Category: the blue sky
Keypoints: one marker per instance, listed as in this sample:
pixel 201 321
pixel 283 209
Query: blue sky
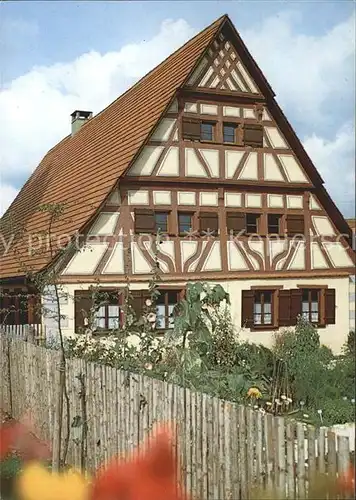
pixel 63 55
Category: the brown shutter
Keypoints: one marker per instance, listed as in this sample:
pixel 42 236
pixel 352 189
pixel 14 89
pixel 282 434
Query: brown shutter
pixel 191 129
pixel 253 135
pixel 235 222
pixel 330 306
pixel 247 302
pixel 144 220
pixel 208 222
pixel 139 298
pixel 82 305
pixel 295 224
pixel 295 305
pixel 284 308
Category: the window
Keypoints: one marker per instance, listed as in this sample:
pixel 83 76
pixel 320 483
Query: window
pixel 107 313
pixel 235 222
pixel 274 224
pixel 310 305
pixel 206 131
pixel 107 317
pixel 229 133
pixel 161 222
pixel 148 221
pixel 184 223
pixel 209 223
pixel 253 135
pixel 144 220
pixel 295 225
pixel 262 308
pixel 191 129
pixel 166 302
pixel 257 308
pixel 252 222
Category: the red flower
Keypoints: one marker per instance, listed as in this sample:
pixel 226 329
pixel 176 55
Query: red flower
pixel 147 477
pixel 16 436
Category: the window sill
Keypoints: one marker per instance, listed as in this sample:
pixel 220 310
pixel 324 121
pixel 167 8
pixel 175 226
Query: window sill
pixel 259 328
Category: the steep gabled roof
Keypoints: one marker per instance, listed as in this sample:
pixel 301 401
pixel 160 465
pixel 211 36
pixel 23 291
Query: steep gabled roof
pixel 81 170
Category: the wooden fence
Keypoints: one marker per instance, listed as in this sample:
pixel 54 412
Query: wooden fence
pixel 31 332
pixel 224 448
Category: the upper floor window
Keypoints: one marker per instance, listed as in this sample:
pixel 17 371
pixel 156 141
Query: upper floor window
pixel 206 131
pixel 229 133
pixel 149 221
pixel 274 224
pixel 252 223
pixel 184 223
pixel 161 222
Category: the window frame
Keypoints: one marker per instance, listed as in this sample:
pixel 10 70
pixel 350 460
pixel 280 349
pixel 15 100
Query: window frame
pixel 212 124
pixel 234 127
pixel 164 293
pixel 279 227
pixel 161 212
pixel 310 301
pixel 262 293
pixel 258 222
pixel 187 214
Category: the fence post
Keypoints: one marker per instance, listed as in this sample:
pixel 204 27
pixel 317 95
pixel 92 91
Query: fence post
pixel 8 343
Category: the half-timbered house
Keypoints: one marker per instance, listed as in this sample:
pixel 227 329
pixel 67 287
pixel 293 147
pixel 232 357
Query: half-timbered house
pixel 200 151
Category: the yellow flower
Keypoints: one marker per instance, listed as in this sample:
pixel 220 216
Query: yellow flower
pixel 37 483
pixel 253 392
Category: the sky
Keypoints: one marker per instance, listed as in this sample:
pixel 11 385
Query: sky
pixel 58 56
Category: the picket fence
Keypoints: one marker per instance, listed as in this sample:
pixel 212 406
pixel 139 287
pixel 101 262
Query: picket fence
pixel 223 448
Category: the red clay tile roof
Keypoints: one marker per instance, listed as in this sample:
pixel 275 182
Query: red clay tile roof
pixel 81 170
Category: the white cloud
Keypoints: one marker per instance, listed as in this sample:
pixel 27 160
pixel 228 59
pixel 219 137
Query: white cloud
pixel 305 71
pixel 8 194
pixel 335 161
pixel 36 107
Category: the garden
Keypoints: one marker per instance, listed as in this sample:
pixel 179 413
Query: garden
pixel 298 377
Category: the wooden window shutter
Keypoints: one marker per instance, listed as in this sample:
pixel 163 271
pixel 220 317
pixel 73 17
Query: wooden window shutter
pixel 295 224
pixel 235 222
pixel 82 306
pixel 295 305
pixel 138 301
pixel 208 222
pixel 248 297
pixel 284 308
pixel 330 306
pixel 144 220
pixel 253 135
pixel 191 129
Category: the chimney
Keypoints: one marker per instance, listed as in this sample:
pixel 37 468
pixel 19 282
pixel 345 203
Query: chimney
pixel 79 118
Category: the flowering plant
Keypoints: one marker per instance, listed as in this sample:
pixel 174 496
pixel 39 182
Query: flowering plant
pixel 149 474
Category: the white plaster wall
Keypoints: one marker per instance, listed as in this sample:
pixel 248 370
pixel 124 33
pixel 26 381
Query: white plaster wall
pixel 164 129
pixel 332 336
pixel 104 224
pixel 146 162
